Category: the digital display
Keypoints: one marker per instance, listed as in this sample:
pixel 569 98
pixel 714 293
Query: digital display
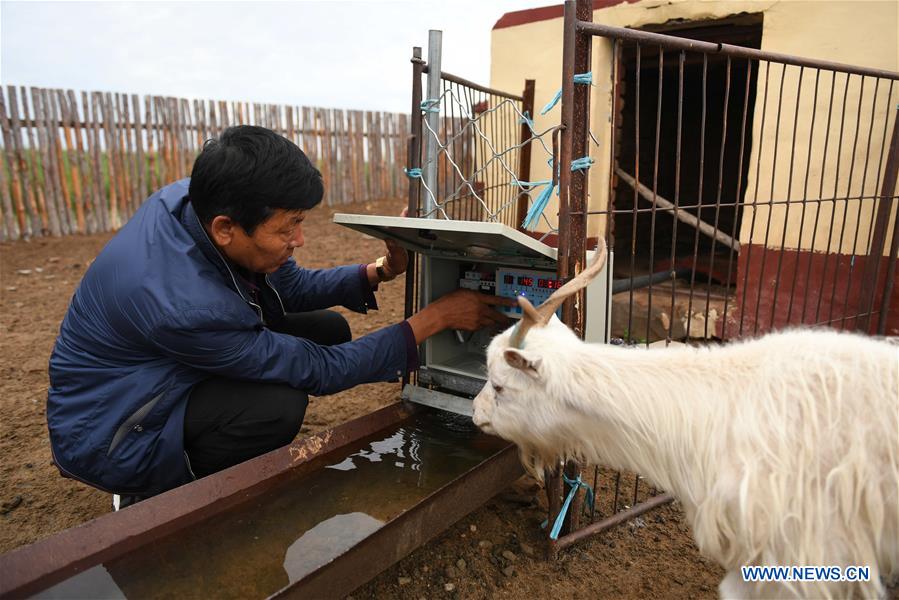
pixel 549 284
pixel 509 279
pixel 526 281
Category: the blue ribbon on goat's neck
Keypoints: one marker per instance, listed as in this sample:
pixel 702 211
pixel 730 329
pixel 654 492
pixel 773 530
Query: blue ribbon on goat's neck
pixel 588 504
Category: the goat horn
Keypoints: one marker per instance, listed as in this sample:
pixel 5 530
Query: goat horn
pixel 529 318
pixel 582 280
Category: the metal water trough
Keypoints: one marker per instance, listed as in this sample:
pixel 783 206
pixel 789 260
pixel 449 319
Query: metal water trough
pixel 31 569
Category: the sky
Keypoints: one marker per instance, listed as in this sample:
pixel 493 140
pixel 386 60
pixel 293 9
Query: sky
pixel 337 54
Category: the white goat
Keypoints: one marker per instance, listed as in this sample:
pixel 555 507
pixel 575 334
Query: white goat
pixel 783 450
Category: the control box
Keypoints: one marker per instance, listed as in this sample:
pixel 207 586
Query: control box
pixel 490 258
pixel 536 286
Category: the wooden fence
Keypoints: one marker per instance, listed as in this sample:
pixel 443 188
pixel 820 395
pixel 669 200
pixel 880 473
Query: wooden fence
pixel 83 163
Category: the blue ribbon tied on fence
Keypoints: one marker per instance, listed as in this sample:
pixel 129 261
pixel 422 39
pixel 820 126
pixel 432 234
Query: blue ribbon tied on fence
pixel 574 484
pixel 581 78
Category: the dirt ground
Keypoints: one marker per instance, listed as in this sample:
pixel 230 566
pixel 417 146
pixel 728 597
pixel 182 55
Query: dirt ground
pixel 494 552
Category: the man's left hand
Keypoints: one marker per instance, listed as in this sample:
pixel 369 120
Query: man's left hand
pixel 397 257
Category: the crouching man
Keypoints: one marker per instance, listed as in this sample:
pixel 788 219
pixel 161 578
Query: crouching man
pixel 194 339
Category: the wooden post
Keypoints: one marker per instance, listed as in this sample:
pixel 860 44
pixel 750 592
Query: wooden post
pixel 151 118
pixel 54 119
pixel 140 160
pixel 49 180
pixel 34 153
pixel 72 156
pixel 14 216
pixel 9 229
pixel 524 156
pixel 129 168
pixel 96 157
pixel 31 191
pixel 11 164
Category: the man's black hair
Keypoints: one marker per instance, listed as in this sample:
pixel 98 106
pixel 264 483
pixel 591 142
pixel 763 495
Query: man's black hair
pixel 250 171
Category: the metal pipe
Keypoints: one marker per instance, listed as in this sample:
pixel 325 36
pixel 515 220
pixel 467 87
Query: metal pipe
pixel 875 254
pixel 889 184
pixel 475 86
pixel 576 58
pixel 616 519
pixel 642 281
pixel 682 216
pixel 414 197
pixel 677 43
pixel 432 117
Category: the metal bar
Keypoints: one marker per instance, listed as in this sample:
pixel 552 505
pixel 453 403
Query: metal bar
pixel 833 82
pixel 573 186
pixel 608 523
pixel 553 485
pixel 470 84
pixel 755 198
pixel 676 43
pixel 414 162
pixel 805 199
pixel 891 271
pixel 577 126
pixel 842 315
pixel 830 233
pixel 630 300
pixel 860 312
pixel 889 185
pixel 655 188
pixel 739 194
pixel 677 165
pixel 615 141
pixel 878 241
pixel 29 569
pixel 786 217
pixel 412 528
pixel 758 301
pixel 874 205
pixel 708 289
pixel 429 170
pixel 705 96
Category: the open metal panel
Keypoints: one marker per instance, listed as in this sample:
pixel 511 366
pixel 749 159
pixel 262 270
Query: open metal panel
pixel 470 240
pixel 491 258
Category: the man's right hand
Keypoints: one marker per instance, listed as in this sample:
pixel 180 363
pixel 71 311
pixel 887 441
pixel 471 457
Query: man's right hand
pixel 466 310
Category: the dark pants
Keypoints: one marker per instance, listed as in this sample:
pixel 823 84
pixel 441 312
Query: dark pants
pixel 229 421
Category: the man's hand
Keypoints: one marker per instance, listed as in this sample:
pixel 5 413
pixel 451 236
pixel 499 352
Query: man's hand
pixel 397 257
pixel 463 309
pixel 394 263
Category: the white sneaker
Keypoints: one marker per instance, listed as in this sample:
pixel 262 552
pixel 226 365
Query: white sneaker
pixel 119 502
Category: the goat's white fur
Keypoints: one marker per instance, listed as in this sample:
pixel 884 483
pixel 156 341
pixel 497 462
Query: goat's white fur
pixel 782 450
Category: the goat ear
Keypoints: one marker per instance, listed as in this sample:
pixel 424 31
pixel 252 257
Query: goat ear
pixel 523 361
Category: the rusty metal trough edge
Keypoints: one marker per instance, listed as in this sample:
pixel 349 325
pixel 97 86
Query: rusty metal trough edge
pixel 37 566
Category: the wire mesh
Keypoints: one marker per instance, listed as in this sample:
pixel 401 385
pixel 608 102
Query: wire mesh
pixel 478 156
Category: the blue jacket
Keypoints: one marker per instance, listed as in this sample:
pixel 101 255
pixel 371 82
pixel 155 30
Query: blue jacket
pixel 158 311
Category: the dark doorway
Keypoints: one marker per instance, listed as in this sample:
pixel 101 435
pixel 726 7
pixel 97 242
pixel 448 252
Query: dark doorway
pixel 712 180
